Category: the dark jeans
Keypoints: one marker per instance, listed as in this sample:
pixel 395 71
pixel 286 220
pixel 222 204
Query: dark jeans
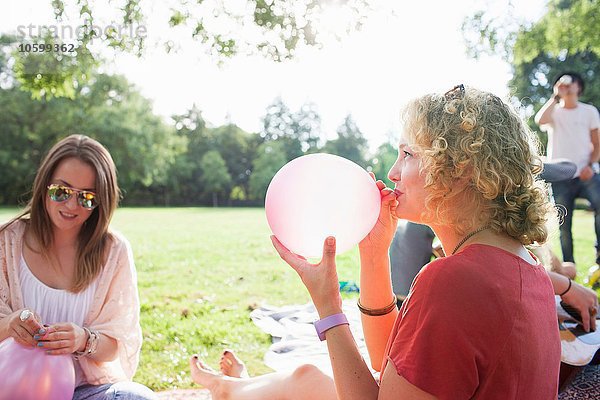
pixel 114 391
pixel 565 193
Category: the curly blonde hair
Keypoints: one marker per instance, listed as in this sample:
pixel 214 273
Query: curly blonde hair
pixel 476 149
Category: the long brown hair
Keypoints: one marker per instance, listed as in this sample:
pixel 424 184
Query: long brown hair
pixel 94 236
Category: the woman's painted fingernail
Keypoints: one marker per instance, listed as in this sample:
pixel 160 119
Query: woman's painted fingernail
pixel 42 331
pixel 40 344
pixel 36 337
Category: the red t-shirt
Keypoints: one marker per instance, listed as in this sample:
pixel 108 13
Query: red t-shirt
pixel 479 325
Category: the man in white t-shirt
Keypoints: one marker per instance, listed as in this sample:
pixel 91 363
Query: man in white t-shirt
pixel 572 128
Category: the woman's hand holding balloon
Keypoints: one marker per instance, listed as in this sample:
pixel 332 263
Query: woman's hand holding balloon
pixel 65 338
pixel 379 239
pixel 23 325
pixel 320 279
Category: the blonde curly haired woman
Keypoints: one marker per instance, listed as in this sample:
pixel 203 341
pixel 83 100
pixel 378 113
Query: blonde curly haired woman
pixel 477 324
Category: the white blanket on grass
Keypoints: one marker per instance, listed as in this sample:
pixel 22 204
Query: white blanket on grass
pixel 295 341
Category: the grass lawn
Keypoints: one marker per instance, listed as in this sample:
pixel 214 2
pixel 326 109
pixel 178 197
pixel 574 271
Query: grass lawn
pixel 201 270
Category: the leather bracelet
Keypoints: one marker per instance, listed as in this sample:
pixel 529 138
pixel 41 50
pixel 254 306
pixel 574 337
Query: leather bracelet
pixel 376 312
pixel 568 288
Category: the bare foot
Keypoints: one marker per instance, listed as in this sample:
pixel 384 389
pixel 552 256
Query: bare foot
pixel 232 366
pixel 204 375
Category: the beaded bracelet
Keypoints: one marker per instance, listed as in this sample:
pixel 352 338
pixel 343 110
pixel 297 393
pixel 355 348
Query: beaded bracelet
pixel 375 312
pixel 83 353
pixel 91 344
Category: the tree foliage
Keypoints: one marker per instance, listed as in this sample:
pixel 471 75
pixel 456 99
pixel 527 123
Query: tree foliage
pixel 568 26
pixel 235 146
pixel 278 125
pixel 299 132
pixel 383 160
pixel 350 143
pixel 306 123
pixel 215 178
pixel 275 29
pixel 107 108
pixel 270 158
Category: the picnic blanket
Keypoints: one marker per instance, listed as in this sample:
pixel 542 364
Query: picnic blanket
pixel 295 340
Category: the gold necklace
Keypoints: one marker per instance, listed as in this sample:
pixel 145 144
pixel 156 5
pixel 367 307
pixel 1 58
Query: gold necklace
pixel 469 235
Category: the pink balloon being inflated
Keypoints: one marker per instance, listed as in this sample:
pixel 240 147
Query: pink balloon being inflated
pixel 28 373
pixel 320 195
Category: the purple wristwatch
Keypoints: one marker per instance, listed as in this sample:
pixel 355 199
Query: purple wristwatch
pixel 326 323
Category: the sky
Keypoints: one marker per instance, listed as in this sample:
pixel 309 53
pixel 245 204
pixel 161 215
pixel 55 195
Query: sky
pixel 405 49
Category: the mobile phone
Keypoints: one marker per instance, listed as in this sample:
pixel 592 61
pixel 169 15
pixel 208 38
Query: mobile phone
pixel 571 311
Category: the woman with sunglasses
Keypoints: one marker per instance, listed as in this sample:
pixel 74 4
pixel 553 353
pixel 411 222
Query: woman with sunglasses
pixel 68 285
pixel 479 323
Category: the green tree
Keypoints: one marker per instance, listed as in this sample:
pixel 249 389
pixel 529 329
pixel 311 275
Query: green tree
pixel 238 149
pixel 306 124
pixel 108 109
pixel 382 161
pixel 279 125
pixel 270 158
pixel 568 26
pixel 186 171
pixel 113 111
pixel 20 146
pixel 350 143
pixel 215 179
pixel 56 73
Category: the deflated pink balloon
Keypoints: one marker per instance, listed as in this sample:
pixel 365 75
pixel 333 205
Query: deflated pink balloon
pixel 321 195
pixel 28 373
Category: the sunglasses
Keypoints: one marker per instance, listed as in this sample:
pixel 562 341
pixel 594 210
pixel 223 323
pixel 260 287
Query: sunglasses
pixel 60 193
pixel 457 92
